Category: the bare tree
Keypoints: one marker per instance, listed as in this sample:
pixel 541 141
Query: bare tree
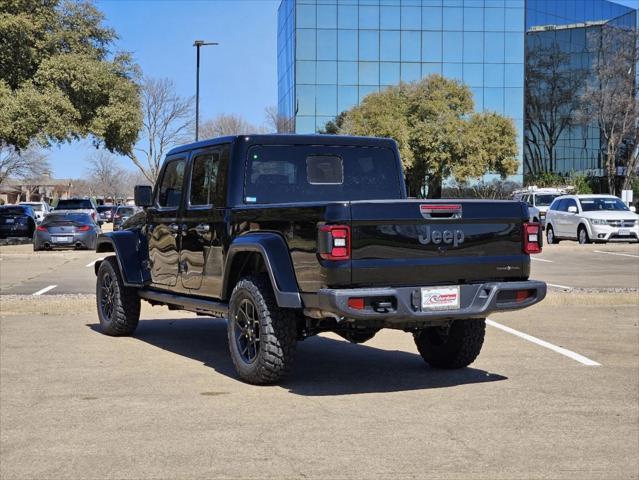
pixel 610 99
pixel 83 187
pixel 106 175
pixel 226 124
pixel 275 122
pixel 552 102
pixel 27 164
pixel 168 120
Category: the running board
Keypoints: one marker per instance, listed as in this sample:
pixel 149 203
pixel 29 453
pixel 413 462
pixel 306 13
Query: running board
pixel 198 305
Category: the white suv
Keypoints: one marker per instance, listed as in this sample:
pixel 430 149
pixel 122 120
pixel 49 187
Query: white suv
pixel 41 209
pixel 540 199
pixel 591 218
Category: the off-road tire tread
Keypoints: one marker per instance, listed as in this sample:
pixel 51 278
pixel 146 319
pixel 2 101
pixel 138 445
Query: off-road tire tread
pixel 278 334
pixel 127 308
pixel 466 338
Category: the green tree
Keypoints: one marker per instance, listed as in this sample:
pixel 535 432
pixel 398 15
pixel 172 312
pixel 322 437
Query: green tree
pixel 438 134
pixel 58 80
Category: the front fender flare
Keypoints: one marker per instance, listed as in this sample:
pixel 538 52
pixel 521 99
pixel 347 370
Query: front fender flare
pixel 131 251
pixel 274 250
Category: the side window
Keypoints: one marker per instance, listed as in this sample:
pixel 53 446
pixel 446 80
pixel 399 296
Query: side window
pixel 204 178
pixel 170 191
pixel 530 200
pixel 563 206
pixel 570 203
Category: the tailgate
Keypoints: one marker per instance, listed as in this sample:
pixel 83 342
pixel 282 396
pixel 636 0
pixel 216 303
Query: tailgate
pixel 413 242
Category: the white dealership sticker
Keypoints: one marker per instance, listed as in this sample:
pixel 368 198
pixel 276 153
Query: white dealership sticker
pixel 440 298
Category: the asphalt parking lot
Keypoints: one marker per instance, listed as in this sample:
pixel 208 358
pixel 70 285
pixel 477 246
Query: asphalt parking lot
pixel 554 394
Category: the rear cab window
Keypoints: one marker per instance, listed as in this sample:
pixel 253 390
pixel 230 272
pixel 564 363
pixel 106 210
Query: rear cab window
pixel 74 205
pixel 309 173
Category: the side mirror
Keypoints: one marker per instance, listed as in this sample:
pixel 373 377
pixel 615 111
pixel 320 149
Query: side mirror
pixel 572 209
pixel 633 209
pixel 143 195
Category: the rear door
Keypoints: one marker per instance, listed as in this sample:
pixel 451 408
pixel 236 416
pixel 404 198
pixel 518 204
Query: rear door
pixel 163 229
pixel 427 243
pixel 203 222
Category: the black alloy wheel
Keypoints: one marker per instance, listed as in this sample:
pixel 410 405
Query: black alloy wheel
pixel 247 331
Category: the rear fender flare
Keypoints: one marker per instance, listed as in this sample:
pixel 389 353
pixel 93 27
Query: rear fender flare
pixel 131 252
pixel 274 251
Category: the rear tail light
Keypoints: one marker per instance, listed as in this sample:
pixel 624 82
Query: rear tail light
pixel 335 242
pixel 532 238
pixel 40 228
pixel 82 228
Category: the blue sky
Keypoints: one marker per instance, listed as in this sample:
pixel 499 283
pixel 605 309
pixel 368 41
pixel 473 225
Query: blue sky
pixel 238 76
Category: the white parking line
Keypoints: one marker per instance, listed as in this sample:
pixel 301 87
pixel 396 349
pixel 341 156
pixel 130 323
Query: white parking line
pixel 543 343
pixel 564 287
pixel 93 262
pixel 44 290
pixel 541 260
pixel 620 254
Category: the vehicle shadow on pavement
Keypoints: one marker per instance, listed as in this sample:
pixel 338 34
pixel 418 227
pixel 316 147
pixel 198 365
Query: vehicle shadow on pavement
pixel 323 366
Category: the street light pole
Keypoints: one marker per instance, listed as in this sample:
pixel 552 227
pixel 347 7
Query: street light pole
pixel 197 44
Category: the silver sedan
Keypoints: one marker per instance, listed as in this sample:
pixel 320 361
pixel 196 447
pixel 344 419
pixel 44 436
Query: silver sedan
pixel 66 230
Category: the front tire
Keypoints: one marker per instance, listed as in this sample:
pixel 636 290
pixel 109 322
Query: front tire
pixel 262 337
pixel 451 347
pixel 550 236
pixel 118 306
pixel 582 235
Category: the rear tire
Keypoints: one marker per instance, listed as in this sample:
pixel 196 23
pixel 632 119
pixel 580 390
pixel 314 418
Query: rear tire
pixel 118 306
pixel 550 236
pixel 451 347
pixel 262 337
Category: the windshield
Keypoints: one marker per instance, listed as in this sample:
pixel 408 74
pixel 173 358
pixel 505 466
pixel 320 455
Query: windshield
pixel 311 173
pixel 125 212
pixel 36 206
pixel 105 208
pixel 71 217
pixel 544 200
pixel 594 204
pixel 12 211
pixel 74 205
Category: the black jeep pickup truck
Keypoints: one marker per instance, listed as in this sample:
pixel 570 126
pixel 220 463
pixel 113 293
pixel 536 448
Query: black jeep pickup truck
pixel 288 236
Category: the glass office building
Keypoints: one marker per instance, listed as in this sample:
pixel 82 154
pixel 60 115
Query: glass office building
pixel 332 53
pixel 564 40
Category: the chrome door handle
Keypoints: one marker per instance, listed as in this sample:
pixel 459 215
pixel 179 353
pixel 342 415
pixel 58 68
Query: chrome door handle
pixel 203 228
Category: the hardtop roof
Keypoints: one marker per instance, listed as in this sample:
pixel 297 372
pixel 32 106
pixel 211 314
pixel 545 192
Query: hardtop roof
pixel 289 139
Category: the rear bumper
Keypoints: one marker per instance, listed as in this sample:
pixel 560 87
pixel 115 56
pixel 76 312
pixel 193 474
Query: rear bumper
pixel 476 301
pixel 14 230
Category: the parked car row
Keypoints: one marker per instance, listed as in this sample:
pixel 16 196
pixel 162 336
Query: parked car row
pixel 73 223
